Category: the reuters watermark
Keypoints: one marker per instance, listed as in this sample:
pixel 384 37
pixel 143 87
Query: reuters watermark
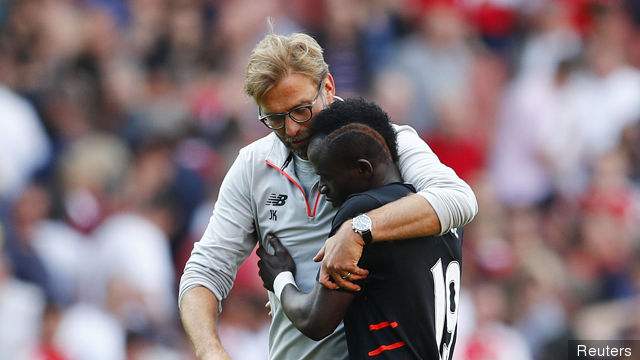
pixel 604 350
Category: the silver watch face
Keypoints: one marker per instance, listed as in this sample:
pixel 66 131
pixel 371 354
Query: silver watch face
pixel 361 223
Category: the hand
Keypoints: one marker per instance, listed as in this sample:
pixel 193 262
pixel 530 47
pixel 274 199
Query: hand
pixel 340 255
pixel 272 265
pixel 268 307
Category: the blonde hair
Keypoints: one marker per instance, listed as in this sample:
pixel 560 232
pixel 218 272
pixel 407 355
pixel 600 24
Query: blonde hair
pixel 276 56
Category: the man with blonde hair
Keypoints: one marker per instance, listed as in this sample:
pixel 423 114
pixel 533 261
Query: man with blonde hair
pixel 272 189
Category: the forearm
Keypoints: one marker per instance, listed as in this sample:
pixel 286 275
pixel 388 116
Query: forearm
pixel 199 314
pixel 450 198
pixel 409 217
pixel 455 206
pixel 316 314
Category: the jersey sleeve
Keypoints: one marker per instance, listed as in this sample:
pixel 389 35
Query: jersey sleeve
pixel 354 206
pixel 228 239
pixel 452 199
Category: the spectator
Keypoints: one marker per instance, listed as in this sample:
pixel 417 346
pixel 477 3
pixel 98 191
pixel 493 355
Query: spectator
pixel 19 159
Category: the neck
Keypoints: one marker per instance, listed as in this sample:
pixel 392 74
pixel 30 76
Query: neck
pixel 385 175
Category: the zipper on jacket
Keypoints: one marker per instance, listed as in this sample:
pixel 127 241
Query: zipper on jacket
pixel 315 206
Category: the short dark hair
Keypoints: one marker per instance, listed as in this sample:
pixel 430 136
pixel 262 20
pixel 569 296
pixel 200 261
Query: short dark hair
pixel 356 111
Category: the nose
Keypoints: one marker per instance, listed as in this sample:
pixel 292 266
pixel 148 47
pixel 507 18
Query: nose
pixel 324 188
pixel 291 127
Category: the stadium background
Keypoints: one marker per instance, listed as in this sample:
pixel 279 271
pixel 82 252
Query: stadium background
pixel 118 120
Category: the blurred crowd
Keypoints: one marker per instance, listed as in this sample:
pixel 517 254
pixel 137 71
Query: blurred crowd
pixel 119 118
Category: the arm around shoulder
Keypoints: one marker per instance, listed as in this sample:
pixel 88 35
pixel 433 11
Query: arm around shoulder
pixel 409 217
pixel 449 197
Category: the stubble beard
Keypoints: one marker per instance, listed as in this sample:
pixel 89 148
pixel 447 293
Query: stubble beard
pixel 298 151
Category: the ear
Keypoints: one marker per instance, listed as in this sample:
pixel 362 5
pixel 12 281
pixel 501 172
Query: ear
pixel 365 168
pixel 330 88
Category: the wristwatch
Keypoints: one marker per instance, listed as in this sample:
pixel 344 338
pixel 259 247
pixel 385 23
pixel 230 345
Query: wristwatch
pixel 362 225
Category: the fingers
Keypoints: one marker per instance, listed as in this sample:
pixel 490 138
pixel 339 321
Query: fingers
pixel 261 251
pixel 320 255
pixel 325 279
pixel 355 270
pixel 345 277
pixel 268 307
pixel 276 244
pixel 353 277
pixel 273 241
pixel 346 284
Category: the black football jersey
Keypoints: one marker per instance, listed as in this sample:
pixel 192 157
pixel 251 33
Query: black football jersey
pixel 408 305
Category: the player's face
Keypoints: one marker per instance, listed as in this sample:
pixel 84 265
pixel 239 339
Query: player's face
pixel 337 179
pixel 292 91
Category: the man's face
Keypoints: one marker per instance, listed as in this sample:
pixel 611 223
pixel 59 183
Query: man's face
pixel 292 91
pixel 338 180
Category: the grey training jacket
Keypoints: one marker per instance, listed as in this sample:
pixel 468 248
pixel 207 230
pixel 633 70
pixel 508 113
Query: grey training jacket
pixel 261 194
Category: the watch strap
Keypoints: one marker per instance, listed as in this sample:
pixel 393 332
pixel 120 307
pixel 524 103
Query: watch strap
pixel 366 236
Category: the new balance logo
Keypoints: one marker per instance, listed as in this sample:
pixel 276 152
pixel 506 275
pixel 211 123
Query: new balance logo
pixel 277 199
